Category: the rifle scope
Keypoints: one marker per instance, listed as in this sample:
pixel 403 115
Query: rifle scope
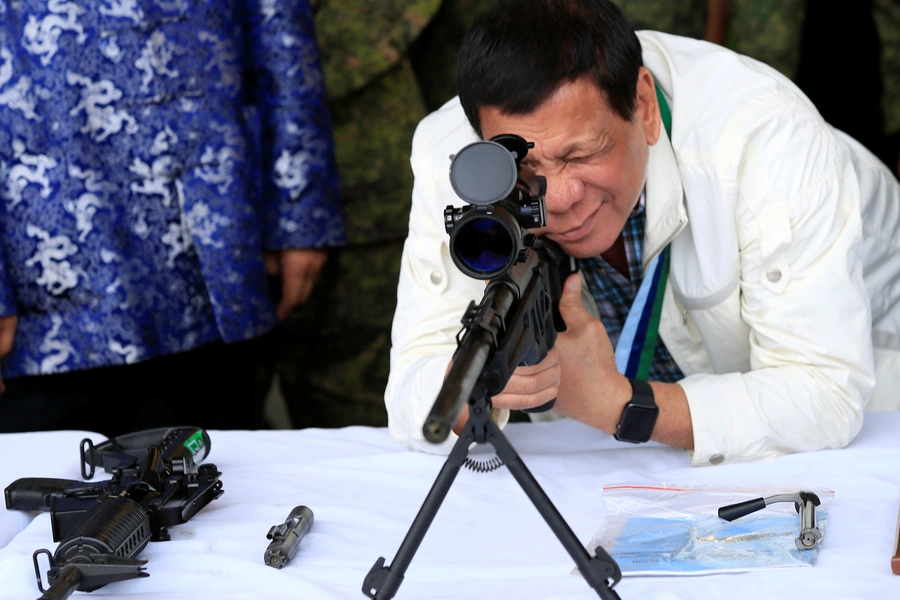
pixel 487 237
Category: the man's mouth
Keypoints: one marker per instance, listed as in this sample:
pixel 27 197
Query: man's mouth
pixel 577 233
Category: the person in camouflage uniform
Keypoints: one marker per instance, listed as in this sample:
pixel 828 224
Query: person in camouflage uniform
pixel 331 356
pixel 767 30
pixel 886 14
pixel 774 32
pixel 387 64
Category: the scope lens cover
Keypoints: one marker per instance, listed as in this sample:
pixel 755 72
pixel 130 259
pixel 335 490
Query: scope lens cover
pixel 483 173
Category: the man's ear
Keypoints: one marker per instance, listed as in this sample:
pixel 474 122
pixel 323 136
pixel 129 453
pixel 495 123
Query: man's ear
pixel 646 111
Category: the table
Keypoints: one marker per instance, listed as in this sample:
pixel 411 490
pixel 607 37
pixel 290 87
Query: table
pixel 487 541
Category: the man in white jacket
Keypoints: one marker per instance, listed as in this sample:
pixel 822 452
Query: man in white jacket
pixel 780 320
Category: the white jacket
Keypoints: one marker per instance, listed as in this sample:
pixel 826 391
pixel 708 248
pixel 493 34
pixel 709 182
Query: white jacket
pixel 784 267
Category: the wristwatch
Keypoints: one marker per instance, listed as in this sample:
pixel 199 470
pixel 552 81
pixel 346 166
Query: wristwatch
pixel 639 415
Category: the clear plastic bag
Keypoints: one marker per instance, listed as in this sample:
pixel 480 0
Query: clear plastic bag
pixel 677 531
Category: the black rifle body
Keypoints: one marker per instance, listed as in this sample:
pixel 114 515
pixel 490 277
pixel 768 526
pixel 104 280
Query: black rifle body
pixel 156 483
pixel 516 323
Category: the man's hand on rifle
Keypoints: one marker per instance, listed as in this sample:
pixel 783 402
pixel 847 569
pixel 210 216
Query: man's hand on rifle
pixel 7 334
pixel 591 388
pixel 532 386
pixel 579 371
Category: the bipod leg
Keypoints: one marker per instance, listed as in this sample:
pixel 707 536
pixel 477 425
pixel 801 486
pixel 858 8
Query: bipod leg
pixel 383 582
pixel 597 571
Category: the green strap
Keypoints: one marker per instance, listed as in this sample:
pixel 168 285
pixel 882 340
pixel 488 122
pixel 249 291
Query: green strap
pixel 664 111
pixel 649 349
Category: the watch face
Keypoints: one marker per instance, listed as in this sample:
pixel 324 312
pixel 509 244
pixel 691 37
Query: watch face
pixel 637 423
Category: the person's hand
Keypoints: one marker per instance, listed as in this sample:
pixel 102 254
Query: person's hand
pixel 591 389
pixel 532 386
pixel 7 333
pixel 528 387
pixel 299 270
pixel 579 371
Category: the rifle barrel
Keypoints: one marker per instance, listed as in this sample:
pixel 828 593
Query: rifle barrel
pixel 475 349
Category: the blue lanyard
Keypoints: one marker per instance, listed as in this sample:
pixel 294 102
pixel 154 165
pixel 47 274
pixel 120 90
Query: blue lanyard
pixel 640 334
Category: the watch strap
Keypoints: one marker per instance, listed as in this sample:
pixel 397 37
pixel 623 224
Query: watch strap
pixel 638 416
pixel 642 393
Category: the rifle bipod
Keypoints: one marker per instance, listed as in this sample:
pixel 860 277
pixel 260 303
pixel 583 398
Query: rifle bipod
pixel 601 571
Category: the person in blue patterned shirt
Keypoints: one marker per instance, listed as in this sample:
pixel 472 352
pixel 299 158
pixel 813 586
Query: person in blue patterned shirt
pixel 157 159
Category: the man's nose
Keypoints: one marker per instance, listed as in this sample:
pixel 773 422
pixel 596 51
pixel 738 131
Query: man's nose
pixel 562 193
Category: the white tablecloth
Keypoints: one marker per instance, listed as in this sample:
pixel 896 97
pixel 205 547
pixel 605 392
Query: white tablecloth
pixel 487 540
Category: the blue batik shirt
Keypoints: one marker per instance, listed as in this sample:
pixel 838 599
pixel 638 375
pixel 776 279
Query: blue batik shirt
pixel 614 293
pixel 149 152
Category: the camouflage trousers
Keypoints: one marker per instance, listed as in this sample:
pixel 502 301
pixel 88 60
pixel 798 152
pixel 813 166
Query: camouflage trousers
pixel 332 354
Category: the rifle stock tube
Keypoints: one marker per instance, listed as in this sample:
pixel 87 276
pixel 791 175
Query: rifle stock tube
pixel 475 349
pixel 35 493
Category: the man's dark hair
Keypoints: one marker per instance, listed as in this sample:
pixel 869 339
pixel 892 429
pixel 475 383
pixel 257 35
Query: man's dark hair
pixel 519 52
